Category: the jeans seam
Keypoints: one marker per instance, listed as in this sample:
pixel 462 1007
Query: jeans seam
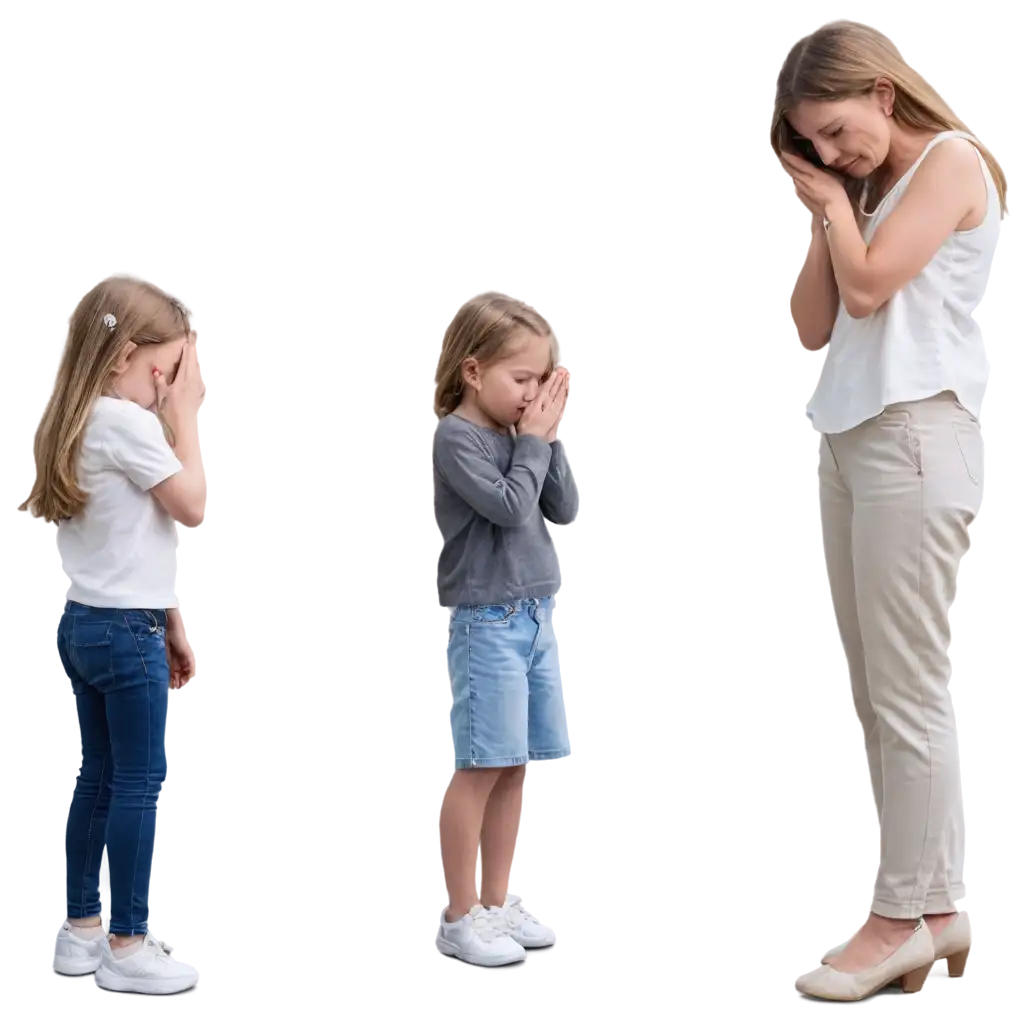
pixel 490 762
pixel 963 455
pixel 149 763
pixel 902 906
pixel 550 754
pixel 921 704
pixel 533 647
pixel 914 446
pixel 831 452
pixel 92 818
pixel 469 687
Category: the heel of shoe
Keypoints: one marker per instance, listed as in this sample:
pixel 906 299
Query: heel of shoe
pixel 957 962
pixel 914 980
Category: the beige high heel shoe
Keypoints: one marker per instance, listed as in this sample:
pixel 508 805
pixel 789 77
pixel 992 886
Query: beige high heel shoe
pixel 830 952
pixel 909 966
pixel 952 944
pixel 954 947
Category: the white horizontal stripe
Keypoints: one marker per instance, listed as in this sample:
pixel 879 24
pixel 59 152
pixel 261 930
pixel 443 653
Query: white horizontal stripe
pixel 597 921
pixel 459 977
pixel 244 583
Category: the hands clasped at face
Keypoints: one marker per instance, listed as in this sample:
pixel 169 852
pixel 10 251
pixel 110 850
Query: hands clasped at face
pixel 543 415
pixel 819 190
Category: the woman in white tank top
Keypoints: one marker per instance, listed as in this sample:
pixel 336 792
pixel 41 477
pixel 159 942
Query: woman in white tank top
pixel 905 213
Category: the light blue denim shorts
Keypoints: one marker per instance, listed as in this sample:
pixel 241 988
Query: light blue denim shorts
pixel 507 705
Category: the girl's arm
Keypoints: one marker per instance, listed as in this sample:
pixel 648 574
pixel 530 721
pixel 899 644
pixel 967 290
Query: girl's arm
pixel 815 301
pixel 184 494
pixel 559 499
pixel 137 446
pixel 180 658
pixel 469 470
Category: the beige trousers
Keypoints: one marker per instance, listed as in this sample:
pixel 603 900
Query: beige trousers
pixel 898 494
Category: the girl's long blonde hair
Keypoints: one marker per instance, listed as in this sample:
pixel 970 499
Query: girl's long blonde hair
pixel 144 315
pixel 482 330
pixel 845 59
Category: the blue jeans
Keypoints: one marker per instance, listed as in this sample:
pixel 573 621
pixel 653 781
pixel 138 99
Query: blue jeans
pixel 507 705
pixel 117 663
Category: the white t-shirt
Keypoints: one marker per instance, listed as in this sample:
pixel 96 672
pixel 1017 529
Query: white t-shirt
pixel 120 551
pixel 924 340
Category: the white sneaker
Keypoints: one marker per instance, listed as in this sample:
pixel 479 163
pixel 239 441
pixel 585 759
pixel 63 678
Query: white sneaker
pixel 149 970
pixel 75 955
pixel 524 927
pixel 481 938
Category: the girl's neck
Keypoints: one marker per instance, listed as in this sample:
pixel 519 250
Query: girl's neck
pixel 469 410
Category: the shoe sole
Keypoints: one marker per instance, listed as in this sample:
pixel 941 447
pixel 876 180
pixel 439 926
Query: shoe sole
pixel 71 967
pixel 450 949
pixel 543 951
pixel 142 986
pixel 538 947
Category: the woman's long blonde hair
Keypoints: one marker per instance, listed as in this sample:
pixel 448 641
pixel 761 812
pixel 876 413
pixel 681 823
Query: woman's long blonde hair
pixel 144 315
pixel 844 59
pixel 482 330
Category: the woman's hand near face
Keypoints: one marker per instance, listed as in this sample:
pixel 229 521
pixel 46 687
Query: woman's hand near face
pixel 814 303
pixel 802 204
pixel 818 190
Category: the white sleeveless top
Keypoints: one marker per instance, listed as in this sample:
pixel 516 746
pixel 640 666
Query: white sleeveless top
pixel 924 340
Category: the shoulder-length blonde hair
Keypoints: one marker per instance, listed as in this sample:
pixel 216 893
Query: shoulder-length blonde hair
pixel 144 315
pixel 845 59
pixel 482 330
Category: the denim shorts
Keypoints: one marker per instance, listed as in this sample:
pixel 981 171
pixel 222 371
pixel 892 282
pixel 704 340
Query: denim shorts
pixel 507 705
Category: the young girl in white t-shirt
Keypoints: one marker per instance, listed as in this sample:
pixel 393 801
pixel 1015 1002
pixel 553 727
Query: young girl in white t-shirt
pixel 117 464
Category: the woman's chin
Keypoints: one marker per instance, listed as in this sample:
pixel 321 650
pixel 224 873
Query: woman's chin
pixel 860 169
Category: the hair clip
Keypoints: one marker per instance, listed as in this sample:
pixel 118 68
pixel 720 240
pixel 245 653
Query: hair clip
pixel 110 321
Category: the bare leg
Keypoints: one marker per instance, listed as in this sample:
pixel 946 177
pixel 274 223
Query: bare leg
pixel 938 922
pixel 462 817
pixel 498 836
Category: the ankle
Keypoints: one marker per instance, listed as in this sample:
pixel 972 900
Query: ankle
pixel 457 911
pixel 123 941
pixel 892 925
pixel 86 922
pixel 497 903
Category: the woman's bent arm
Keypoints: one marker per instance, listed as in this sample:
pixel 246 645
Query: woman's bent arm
pixel 815 301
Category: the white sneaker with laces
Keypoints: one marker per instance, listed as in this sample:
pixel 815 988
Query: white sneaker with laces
pixel 76 955
pixel 524 927
pixel 150 970
pixel 480 937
